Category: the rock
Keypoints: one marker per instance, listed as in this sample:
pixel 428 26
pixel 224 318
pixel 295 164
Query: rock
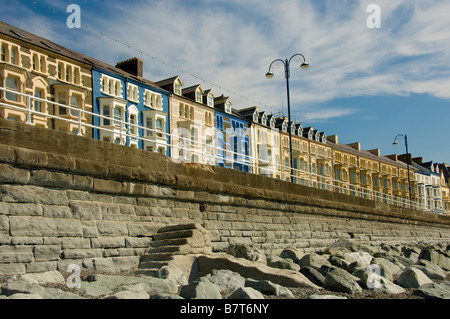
pixel 430 269
pixel 313 274
pixel 375 282
pixel 94 289
pixel 433 291
pixel 152 285
pixel 292 253
pixel 254 270
pixel 281 263
pixel 267 287
pixel 313 260
pixel 247 252
pixel 129 295
pixel 24 287
pixel 165 296
pixel 413 278
pixel 325 297
pixel 44 278
pixel 387 268
pixel 357 265
pixel 435 256
pixel 200 289
pixel 341 280
pixel 339 262
pixel 226 280
pixel 171 272
pixel 246 293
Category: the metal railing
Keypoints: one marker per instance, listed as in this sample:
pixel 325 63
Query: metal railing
pixel 193 150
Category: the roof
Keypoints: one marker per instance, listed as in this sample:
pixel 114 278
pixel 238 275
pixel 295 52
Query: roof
pixel 49 46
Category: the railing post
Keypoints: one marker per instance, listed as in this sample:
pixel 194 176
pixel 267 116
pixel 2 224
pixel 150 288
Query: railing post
pixel 28 110
pixel 79 123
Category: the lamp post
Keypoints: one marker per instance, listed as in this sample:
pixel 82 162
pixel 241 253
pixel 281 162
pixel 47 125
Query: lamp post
pixel 407 163
pixel 269 75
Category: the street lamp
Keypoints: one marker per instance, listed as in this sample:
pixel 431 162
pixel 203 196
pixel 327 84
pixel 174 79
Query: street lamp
pixel 407 163
pixel 269 75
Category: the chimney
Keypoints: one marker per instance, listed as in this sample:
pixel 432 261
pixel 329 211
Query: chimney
pixel 375 151
pixel 418 160
pixel 333 138
pixel 133 66
pixel 393 157
pixel 356 146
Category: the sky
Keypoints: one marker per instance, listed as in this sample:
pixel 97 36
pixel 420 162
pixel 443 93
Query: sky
pixel 366 83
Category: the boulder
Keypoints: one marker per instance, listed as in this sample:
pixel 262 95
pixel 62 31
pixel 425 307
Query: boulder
pixel 44 278
pixel 313 260
pixel 413 278
pixel 342 281
pixel 23 287
pixel 171 272
pixel 200 289
pixel 247 252
pixel 387 268
pixel 246 293
pixel 433 291
pixel 313 274
pixel 226 280
pixel 292 253
pixel 375 282
pixel 430 269
pixel 281 263
pixel 339 262
pixel 152 285
pixel 436 256
pixel 267 287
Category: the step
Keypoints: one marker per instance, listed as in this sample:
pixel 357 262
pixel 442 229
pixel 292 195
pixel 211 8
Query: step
pixel 179 227
pixel 169 242
pixel 152 264
pixel 147 272
pixel 156 257
pixel 165 249
pixel 174 234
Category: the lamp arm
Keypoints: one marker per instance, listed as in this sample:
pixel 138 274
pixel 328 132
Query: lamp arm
pixel 277 60
pixel 298 54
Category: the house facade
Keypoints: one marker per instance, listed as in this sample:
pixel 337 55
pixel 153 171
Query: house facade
pixel 130 110
pixel 34 71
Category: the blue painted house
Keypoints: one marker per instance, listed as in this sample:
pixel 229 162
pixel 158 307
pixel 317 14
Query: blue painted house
pixel 131 111
pixel 232 136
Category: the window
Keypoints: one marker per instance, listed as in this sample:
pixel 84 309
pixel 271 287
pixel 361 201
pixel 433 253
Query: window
pixel 62 110
pixel 133 122
pixel 38 104
pixel 159 127
pixel 42 64
pixel 181 110
pixel 76 76
pixel 153 100
pixel 191 112
pixel 198 97
pixel 3 53
pixel 111 86
pixel 149 126
pixel 117 116
pixel 132 92
pixel 255 117
pixel 68 73
pixel 13 56
pixel 75 101
pixel 60 68
pixel 177 88
pixel 35 62
pixel 219 122
pixel 107 114
pixel 12 84
pixel 210 101
pixel 228 107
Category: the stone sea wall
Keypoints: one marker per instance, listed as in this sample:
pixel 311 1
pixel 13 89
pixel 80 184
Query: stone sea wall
pixel 72 200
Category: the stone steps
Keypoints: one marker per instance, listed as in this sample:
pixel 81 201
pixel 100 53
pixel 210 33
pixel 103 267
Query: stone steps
pixel 173 241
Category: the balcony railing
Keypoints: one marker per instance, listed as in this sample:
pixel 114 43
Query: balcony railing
pixel 206 153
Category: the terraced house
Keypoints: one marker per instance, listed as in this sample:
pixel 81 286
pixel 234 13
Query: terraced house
pixel 34 71
pixel 191 122
pixel 130 110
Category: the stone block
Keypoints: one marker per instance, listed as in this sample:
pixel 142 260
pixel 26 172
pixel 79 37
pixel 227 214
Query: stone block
pixel 45 227
pixel 76 243
pixel 18 268
pixel 86 210
pixel 57 211
pixel 50 178
pixel 16 254
pixel 141 242
pixel 82 253
pixel 111 228
pixel 30 157
pixel 40 267
pixel 21 209
pixel 90 232
pixel 32 194
pixel 142 229
pixel 107 186
pixel 108 242
pixel 47 252
pixel 10 174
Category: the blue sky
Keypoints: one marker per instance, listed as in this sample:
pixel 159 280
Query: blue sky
pixel 365 85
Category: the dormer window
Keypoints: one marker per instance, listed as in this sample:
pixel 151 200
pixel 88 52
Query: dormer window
pixel 210 100
pixel 198 97
pixel 284 127
pixel 310 135
pixel 272 123
pixel 255 117
pixel 228 107
pixel 264 120
pixel 300 131
pixel 177 86
pixel 292 128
